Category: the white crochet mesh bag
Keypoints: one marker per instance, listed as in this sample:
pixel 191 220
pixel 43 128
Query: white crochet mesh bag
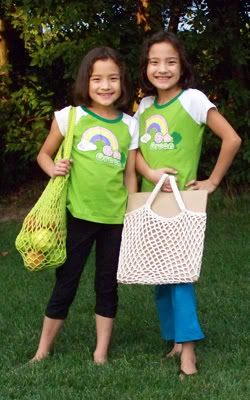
pixel 161 250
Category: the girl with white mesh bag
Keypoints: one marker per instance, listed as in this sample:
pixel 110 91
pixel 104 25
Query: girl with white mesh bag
pixel 172 119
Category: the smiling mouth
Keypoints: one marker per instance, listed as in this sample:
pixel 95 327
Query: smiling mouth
pixel 105 94
pixel 163 77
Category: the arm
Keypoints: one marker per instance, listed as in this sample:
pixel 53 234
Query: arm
pixel 153 175
pixel 229 147
pixel 48 149
pixel 130 177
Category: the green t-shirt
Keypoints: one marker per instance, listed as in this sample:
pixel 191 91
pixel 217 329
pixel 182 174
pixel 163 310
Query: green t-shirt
pixel 171 134
pixel 96 189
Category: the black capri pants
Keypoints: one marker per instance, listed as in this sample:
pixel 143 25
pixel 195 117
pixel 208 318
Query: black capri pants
pixel 80 238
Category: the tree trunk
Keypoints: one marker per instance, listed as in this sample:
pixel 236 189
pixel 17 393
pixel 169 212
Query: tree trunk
pixel 3 47
pixel 143 15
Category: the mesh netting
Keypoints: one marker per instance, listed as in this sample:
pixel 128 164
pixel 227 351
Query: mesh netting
pixel 159 250
pixel 42 239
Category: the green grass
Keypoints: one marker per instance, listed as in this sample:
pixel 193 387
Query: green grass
pixel 137 368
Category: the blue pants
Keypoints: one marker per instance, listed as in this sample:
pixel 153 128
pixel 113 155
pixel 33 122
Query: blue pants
pixel 176 306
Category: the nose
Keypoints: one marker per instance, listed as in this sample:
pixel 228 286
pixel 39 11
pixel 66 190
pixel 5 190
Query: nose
pixel 105 84
pixel 162 68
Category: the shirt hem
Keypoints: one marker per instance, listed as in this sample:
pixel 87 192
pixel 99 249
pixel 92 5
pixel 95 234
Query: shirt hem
pixel 115 221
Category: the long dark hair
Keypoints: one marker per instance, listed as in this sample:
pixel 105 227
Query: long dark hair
pixel 81 87
pixel 187 77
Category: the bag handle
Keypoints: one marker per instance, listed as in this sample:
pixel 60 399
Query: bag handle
pixel 174 188
pixel 68 141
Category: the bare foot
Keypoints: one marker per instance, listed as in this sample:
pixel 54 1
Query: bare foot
pixel 99 359
pixel 188 360
pixel 176 351
pixel 39 357
pixel 183 375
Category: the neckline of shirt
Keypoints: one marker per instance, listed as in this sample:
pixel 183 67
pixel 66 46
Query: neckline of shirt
pixel 109 121
pixel 168 102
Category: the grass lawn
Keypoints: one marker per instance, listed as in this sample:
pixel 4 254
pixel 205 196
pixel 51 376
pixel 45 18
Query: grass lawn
pixel 137 368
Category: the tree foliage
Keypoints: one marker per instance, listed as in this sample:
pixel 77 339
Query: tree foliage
pixel 47 40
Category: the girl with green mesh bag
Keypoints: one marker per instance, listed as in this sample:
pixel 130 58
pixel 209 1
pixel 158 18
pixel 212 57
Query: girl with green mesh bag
pixel 102 172
pixel 42 239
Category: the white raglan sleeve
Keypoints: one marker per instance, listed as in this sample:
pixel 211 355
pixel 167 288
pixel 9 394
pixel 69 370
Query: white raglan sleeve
pixel 197 104
pixel 62 118
pixel 134 132
pixel 144 104
pixel 205 106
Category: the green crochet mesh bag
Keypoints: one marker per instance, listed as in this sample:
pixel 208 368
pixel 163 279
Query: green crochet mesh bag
pixel 42 239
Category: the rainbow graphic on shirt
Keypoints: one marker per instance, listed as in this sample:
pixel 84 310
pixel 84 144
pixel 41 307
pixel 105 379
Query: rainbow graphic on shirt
pixel 110 147
pixel 156 127
pixel 156 124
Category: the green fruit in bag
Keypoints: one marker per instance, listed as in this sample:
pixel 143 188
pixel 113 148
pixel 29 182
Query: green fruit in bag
pixel 43 240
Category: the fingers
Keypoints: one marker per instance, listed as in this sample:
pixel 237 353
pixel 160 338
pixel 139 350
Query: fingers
pixel 193 185
pixel 62 167
pixel 201 185
pixel 190 183
pixel 170 171
pixel 166 189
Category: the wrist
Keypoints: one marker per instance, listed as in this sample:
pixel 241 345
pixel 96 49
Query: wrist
pixel 150 175
pixel 51 171
pixel 214 182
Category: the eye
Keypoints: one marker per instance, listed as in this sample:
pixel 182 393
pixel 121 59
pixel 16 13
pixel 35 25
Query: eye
pixel 153 62
pixel 115 79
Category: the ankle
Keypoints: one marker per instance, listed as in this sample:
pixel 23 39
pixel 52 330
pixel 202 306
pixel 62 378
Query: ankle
pixel 175 351
pixel 188 349
pixel 188 359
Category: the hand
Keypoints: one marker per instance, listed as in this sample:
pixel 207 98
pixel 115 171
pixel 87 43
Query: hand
pixel 202 185
pixel 61 168
pixel 156 174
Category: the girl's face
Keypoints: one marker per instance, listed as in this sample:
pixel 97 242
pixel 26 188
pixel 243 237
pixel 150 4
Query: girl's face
pixel 104 83
pixel 164 68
